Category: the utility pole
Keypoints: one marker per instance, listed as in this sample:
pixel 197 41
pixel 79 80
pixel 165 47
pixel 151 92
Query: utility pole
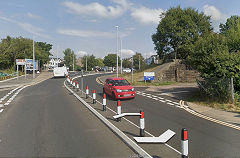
pixel 33 59
pixel 121 55
pixel 73 62
pixel 132 69
pixel 117 48
pixel 232 90
pixel 86 62
pixel 139 61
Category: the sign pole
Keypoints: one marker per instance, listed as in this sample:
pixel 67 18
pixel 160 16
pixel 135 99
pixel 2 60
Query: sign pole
pixel 17 71
pixel 25 70
pixel 33 60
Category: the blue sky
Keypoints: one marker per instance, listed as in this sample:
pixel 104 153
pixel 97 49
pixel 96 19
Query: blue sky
pixel 88 26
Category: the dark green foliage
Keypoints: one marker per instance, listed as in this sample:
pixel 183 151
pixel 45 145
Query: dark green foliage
pixel 178 30
pixel 111 60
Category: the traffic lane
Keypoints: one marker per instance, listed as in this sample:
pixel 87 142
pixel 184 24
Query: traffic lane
pixel 5 91
pixel 206 138
pixel 46 121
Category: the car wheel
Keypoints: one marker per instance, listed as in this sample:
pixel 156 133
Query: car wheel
pixel 114 96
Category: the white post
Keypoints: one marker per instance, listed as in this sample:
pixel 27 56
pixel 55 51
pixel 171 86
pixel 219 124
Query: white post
pixel 73 62
pixel 142 124
pixel 17 71
pixel 82 82
pixel 87 92
pixel 77 87
pixel 94 97
pixel 86 62
pixel 139 61
pixel 33 59
pixel 25 69
pixel 121 55
pixel 117 49
pixel 184 142
pixel 104 102
pixel 132 69
pixel 119 109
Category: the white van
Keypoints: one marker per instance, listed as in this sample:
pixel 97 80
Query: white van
pixel 60 72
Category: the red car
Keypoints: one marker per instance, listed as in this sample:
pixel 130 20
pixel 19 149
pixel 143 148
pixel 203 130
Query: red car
pixel 118 88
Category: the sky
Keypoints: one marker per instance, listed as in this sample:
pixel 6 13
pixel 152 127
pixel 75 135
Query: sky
pixel 89 26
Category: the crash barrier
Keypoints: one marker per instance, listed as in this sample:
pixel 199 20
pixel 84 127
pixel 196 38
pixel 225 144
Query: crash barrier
pixel 142 122
pixel 104 102
pixel 94 97
pixel 184 142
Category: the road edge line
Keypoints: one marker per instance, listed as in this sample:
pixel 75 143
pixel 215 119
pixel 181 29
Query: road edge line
pixel 117 131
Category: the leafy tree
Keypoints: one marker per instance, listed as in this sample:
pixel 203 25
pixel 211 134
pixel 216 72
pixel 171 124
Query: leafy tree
pixel 231 29
pixel 21 48
pixel 127 63
pixel 68 58
pixel 100 62
pixel 111 60
pixel 136 58
pixel 178 30
pixel 91 62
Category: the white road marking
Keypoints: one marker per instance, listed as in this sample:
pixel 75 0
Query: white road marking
pixel 170 103
pixel 149 96
pixel 162 101
pixel 155 98
pixel 1 110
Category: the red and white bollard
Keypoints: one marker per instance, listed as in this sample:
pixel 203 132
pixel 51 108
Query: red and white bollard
pixel 87 92
pixel 94 97
pixel 119 110
pixel 74 84
pixel 68 80
pixel 142 124
pixel 71 82
pixel 184 141
pixel 77 87
pixel 104 102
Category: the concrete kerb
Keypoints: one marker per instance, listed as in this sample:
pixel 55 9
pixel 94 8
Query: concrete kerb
pixel 118 132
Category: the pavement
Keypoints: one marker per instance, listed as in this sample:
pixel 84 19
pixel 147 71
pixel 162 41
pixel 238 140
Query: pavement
pixel 26 81
pixel 182 91
pixel 206 138
pixel 45 120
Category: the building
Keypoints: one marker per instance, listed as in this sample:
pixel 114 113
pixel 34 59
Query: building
pixel 152 59
pixel 54 62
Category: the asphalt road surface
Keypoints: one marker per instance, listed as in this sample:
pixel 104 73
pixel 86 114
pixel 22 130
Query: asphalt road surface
pixel 45 120
pixel 206 139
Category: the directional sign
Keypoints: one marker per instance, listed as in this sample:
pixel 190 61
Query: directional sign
pixel 161 139
pixel 20 61
pixel 149 75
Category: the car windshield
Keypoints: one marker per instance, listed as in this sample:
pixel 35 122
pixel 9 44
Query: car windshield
pixel 120 83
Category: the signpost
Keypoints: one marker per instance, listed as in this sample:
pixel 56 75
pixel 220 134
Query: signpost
pixel 21 62
pixel 149 76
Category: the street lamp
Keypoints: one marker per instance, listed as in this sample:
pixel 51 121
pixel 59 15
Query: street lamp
pixel 33 59
pixel 121 55
pixel 117 48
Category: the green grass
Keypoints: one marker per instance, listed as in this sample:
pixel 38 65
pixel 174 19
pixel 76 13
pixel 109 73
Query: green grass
pixel 197 98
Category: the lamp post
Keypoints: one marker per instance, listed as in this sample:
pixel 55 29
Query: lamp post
pixel 33 59
pixel 117 48
pixel 121 55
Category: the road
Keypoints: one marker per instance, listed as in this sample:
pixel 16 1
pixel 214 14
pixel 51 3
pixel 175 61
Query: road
pixel 45 120
pixel 206 139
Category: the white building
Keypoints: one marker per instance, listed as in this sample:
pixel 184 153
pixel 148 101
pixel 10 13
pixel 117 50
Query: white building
pixel 152 59
pixel 54 62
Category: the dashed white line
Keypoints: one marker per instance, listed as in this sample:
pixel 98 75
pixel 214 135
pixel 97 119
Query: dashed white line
pixel 170 103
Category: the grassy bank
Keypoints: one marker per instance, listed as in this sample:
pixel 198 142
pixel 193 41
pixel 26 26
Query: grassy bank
pixel 197 98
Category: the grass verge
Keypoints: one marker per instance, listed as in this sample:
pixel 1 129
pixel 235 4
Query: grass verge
pixel 197 98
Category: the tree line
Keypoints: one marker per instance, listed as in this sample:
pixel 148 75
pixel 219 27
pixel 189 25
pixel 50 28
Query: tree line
pixel 22 48
pixel 187 34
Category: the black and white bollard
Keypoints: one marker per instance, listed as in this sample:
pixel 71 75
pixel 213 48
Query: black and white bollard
pixel 118 110
pixel 87 92
pixel 74 84
pixel 142 124
pixel 94 97
pixel 77 87
pixel 104 102
pixel 184 141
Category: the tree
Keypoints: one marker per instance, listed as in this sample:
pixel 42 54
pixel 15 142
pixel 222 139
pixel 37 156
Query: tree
pixel 91 62
pixel 68 58
pixel 231 29
pixel 136 58
pixel 178 30
pixel 127 63
pixel 111 60
pixel 100 62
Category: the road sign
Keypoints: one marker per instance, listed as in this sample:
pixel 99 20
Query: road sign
pixel 163 138
pixel 20 61
pixel 29 64
pixel 149 75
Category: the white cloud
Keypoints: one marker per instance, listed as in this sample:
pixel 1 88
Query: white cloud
pixel 33 16
pixel 27 27
pixel 81 53
pixel 96 9
pixel 127 52
pixel 85 33
pixel 215 14
pixel 146 15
